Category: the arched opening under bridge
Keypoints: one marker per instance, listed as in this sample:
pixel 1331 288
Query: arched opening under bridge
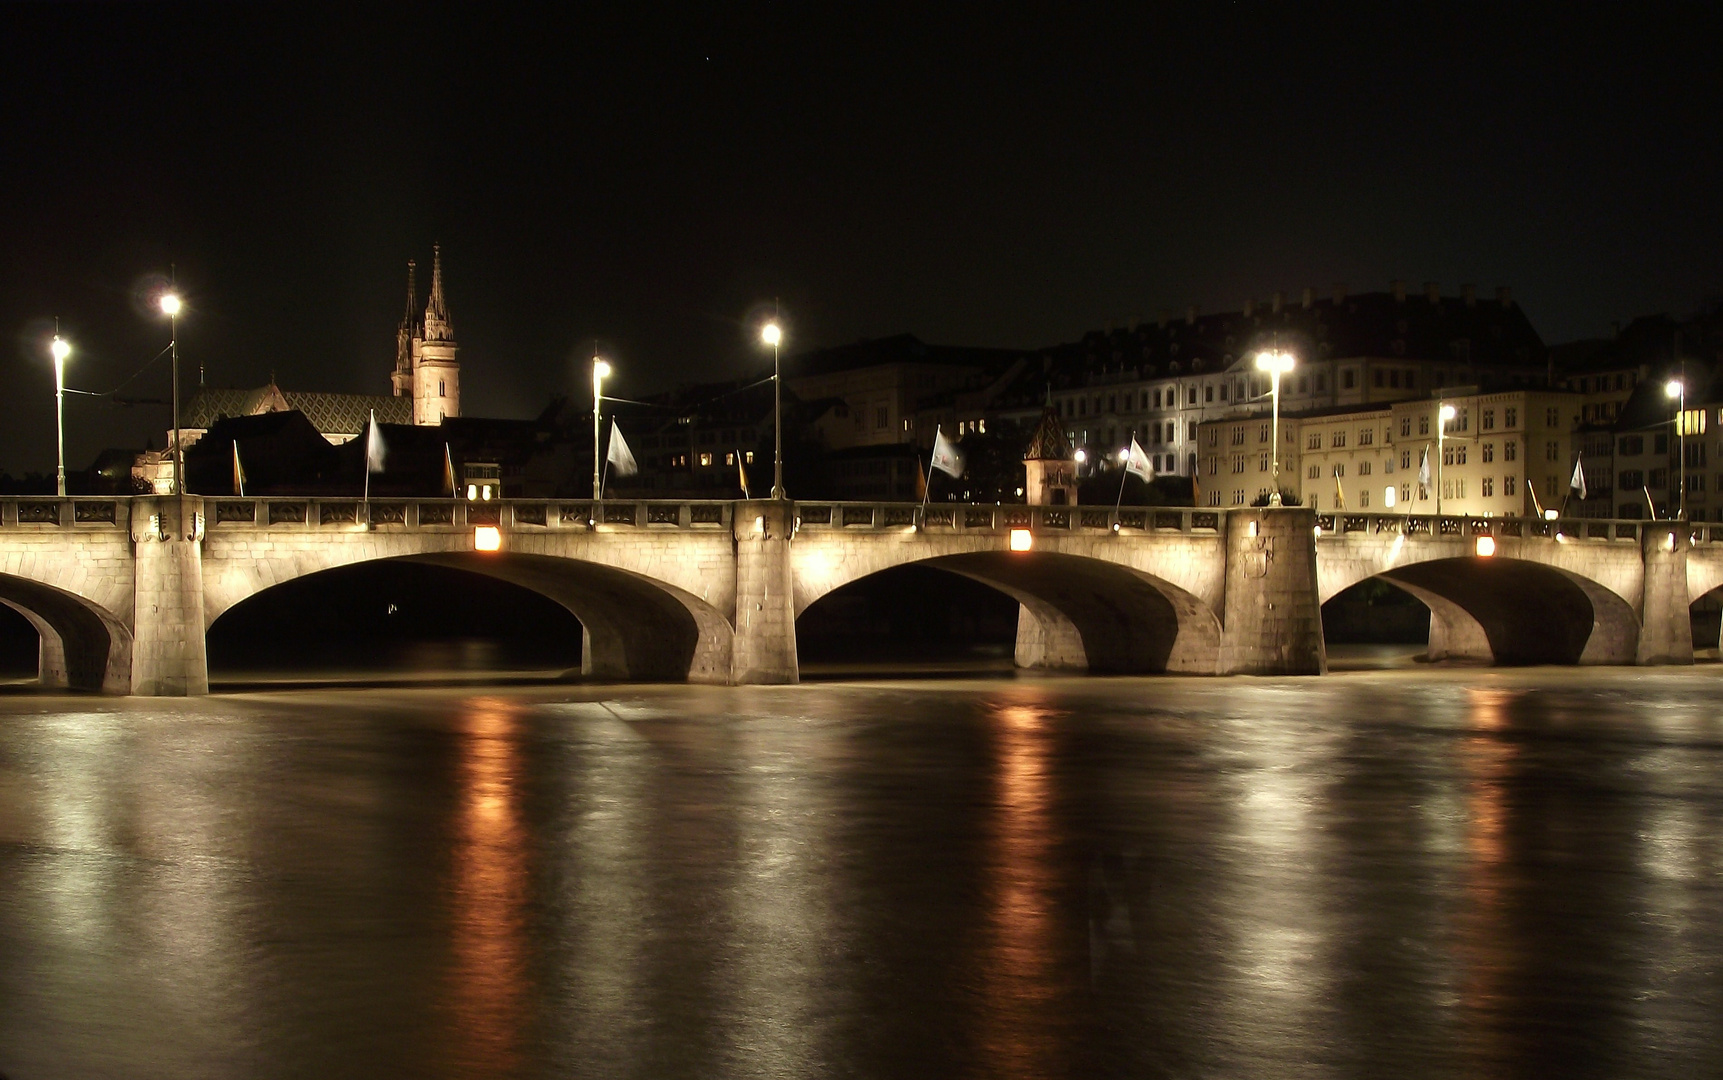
pixel 79 645
pixel 906 620
pixel 389 620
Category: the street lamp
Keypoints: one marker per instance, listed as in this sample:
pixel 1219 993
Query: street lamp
pixel 1276 363
pixel 170 303
pixel 1677 389
pixel 60 350
pixel 773 334
pixel 1444 414
pixel 600 372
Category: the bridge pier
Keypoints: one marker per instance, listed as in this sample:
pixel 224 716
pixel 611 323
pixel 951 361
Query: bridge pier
pixel 1665 620
pixel 764 648
pixel 168 649
pixel 1273 609
pixel 1048 641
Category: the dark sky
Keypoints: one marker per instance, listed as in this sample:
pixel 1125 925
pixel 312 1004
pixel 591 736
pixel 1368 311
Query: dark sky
pixel 972 177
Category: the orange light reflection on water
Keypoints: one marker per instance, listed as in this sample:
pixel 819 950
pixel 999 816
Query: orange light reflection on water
pixel 488 986
pixel 1017 976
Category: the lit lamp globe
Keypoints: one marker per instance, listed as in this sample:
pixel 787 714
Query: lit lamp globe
pixel 1673 388
pixel 771 334
pixel 170 303
pixel 1448 413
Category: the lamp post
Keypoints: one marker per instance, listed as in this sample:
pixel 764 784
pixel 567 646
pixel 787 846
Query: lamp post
pixel 60 350
pixel 773 334
pixel 1677 389
pixel 600 372
pixel 1276 363
pixel 171 305
pixel 1444 413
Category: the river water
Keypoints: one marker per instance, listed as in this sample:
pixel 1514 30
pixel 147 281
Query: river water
pixel 1455 873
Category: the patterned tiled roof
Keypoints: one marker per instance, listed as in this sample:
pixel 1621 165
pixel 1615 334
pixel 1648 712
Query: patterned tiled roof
pixel 1048 443
pixel 330 414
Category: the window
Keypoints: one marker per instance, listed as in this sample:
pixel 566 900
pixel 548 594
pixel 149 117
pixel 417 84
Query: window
pixel 1460 454
pixel 1191 393
pixel 906 424
pixel 1304 387
pixel 1191 431
pixel 748 457
pixel 1321 383
pixel 1552 417
pixel 730 458
pixel 1388 464
pixel 1238 435
pixel 1113 403
pixel 1238 493
pixel 440 391
pixel 1510 451
pixel 1378 377
pixel 1695 456
pixel 1264 466
pixel 882 418
pixel 1489 419
pixel 1145 397
pixel 1489 452
pixel 1632 478
pixel 1460 487
pixel 1364 493
pixel 1262 434
pixel 1511 416
pixel 1238 463
pixel 1347 378
pixel 1423 425
pixel 1315 472
pixel 1632 445
pixel 1363 468
pixel 1366 436
pixel 1552 451
pixel 1405 459
pixel 1508 485
pixel 705 460
pixel 1487 487
pixel 1695 482
pixel 1223 390
pixel 1213 465
pixel 1406 494
pixel 1340 470
pixel 1339 439
pixel 1208 394
pixel 1314 442
pixel 1214 436
pixel 1659 478
pixel 1660 444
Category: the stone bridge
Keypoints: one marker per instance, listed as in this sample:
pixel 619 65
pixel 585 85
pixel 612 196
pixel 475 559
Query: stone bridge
pixel 122 591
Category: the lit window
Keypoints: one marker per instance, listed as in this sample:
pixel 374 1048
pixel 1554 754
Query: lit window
pixel 705 460
pixel 729 459
pixel 748 457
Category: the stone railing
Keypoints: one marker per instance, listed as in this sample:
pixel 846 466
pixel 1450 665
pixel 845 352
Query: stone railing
pixel 52 512
pixel 1426 527
pixel 458 514
pixel 998 517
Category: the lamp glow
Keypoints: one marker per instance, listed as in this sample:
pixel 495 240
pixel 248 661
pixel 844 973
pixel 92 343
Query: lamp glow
pixel 1276 362
pixel 1550 515
pixel 1448 413
pixel 1486 547
pixel 1388 495
pixel 600 370
pixel 1673 388
pixel 1022 540
pixel 487 538
pixel 771 333
pixel 1125 454
pixel 60 349
pixel 1082 456
pixel 170 303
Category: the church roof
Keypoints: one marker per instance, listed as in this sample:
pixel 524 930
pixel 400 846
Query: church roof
pixel 1048 442
pixel 330 414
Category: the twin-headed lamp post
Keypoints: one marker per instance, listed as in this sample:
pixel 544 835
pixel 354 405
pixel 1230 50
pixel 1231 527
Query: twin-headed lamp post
pixel 773 334
pixel 1276 363
pixel 1677 390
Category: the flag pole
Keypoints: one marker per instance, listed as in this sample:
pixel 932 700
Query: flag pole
pixel 1650 507
pixel 1125 475
pixel 927 488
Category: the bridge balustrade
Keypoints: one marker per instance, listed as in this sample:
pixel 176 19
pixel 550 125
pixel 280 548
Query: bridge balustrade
pixel 1001 518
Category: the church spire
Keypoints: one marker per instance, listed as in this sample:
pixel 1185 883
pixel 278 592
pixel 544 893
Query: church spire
pixel 402 379
pixel 437 326
pixel 407 321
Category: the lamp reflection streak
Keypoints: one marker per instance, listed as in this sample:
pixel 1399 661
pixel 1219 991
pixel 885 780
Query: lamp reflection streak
pixel 489 889
pixel 1486 951
pixel 1017 973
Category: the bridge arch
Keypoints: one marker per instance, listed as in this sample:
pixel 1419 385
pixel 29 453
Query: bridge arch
pixel 1514 611
pixel 84 645
pixel 636 626
pixel 1078 611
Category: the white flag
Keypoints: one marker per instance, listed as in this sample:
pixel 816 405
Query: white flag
pixel 1424 470
pixel 1138 463
pixel 373 447
pixel 1578 481
pixel 947 458
pixel 620 457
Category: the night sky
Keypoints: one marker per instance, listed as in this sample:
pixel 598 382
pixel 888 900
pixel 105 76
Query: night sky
pixel 971 177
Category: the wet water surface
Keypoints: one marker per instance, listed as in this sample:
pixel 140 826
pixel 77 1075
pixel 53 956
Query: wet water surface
pixel 1403 873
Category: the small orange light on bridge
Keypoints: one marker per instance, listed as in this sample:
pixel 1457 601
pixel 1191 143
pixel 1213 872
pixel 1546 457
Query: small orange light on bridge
pixel 1021 540
pixel 1486 546
pixel 487 538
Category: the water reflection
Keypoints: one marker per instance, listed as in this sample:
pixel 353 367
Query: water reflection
pixel 1016 969
pixel 489 889
pixel 1486 760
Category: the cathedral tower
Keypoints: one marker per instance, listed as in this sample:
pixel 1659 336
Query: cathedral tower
pixel 436 372
pixel 402 379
